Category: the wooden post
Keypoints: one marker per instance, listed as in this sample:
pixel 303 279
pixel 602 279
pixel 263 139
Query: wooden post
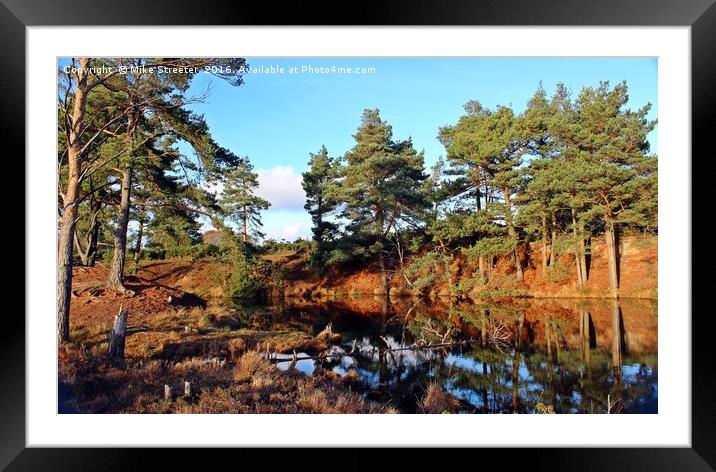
pixel 294 360
pixel 117 335
pixel 187 389
pixel 167 392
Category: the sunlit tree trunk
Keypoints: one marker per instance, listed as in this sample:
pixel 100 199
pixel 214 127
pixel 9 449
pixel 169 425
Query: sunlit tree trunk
pixel 553 243
pixel 83 253
pixel 612 257
pixel 70 204
pixel 116 272
pixel 88 253
pixel 583 256
pixel 138 243
pixel 512 232
pixel 577 254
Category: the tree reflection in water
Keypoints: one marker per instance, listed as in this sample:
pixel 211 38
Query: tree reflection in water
pixel 515 357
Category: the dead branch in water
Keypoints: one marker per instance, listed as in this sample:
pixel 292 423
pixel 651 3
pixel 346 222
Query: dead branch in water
pixel 499 337
pixel 415 347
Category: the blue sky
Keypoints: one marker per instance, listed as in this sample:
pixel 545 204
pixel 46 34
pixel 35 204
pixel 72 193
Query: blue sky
pixel 277 119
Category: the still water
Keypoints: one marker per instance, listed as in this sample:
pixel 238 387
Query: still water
pixel 521 356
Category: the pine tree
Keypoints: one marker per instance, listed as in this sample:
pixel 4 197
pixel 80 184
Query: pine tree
pixel 487 145
pixel 382 184
pixel 155 94
pixel 612 149
pixel 318 183
pixel 240 202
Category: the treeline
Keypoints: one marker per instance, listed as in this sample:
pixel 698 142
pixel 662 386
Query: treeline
pixel 532 186
pixel 120 125
pixel 535 186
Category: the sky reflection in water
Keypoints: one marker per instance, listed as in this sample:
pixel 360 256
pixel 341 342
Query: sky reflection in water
pixel 570 356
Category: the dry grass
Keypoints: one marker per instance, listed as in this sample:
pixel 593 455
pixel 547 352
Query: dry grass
pixel 246 383
pixel 436 401
pixel 249 365
pixel 211 348
pixel 236 347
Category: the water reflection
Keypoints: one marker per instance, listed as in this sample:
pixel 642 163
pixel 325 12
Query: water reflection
pixel 523 356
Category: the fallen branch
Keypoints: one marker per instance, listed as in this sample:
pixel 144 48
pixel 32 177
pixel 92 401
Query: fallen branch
pixel 294 358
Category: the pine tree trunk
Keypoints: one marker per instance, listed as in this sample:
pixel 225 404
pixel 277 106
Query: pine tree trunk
pixel 477 196
pixel 92 244
pixel 583 256
pixel 245 230
pixel 512 232
pixel 93 236
pixel 319 223
pixel 612 258
pixel 92 250
pixel 482 267
pixel 88 253
pixel 64 267
pixel 71 204
pixel 80 252
pixel 138 245
pixel 553 243
pixel 381 257
pixel 383 271
pixel 116 272
pixel 577 256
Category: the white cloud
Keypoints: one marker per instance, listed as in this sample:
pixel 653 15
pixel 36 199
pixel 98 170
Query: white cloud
pixel 286 218
pixel 281 186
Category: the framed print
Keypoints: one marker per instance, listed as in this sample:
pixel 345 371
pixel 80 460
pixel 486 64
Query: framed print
pixel 417 226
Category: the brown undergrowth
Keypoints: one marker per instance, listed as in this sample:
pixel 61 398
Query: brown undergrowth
pixel 214 349
pixel 247 383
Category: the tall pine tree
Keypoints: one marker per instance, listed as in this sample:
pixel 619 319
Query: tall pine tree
pixel 382 184
pixel 240 202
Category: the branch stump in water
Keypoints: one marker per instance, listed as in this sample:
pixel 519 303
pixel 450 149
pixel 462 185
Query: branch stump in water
pixel 115 352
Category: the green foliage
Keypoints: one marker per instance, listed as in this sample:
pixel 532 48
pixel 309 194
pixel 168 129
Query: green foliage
pixel 319 183
pixel 494 246
pixel 249 277
pixel 194 252
pixel 172 232
pixel 430 269
pixel 557 273
pixel 239 201
pixel 299 246
pixel 381 182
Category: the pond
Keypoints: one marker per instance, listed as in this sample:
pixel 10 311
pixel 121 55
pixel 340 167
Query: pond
pixel 519 356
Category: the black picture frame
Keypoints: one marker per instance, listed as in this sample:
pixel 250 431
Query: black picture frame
pixel 700 15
